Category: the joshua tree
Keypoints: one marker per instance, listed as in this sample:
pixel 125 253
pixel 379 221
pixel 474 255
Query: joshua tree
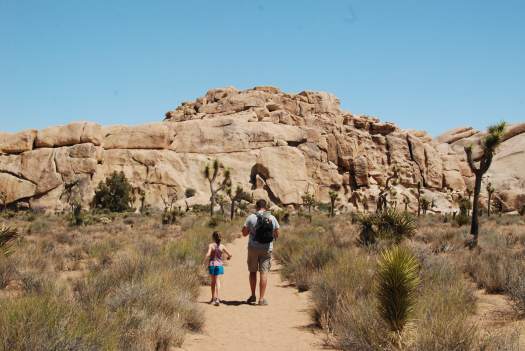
pixel 488 144
pixel 406 202
pixel 309 202
pixel 236 197
pixel 138 193
pixel 490 191
pixel 418 196
pixel 425 205
pixel 213 173
pixel 334 196
pixel 169 216
pixel 382 204
pixel 398 280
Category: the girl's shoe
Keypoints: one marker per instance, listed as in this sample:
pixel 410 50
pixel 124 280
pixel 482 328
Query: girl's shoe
pixel 263 302
pixel 251 300
pixel 216 302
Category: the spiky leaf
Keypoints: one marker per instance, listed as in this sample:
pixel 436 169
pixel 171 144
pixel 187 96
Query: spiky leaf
pixel 397 282
pixel 7 238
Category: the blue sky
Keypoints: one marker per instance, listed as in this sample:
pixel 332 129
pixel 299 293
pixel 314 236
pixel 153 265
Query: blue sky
pixel 430 65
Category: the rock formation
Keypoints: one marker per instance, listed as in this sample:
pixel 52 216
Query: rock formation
pixel 277 145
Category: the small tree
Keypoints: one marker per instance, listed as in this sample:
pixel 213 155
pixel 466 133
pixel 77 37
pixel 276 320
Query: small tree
pixel 308 201
pixel 425 205
pixel 213 173
pixel 236 196
pixel 490 191
pixel 382 203
pixel 71 194
pixel 114 194
pixel 137 193
pixel 406 202
pixel 169 216
pixel 488 144
pixel 334 196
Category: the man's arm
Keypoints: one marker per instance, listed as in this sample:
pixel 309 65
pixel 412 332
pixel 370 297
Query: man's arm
pixel 276 233
pixel 245 231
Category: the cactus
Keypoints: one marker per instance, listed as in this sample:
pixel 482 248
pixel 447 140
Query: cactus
pixel 489 144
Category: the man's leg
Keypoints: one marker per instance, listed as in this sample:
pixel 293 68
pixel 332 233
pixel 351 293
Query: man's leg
pixel 253 282
pixel 262 284
pixel 252 268
pixel 265 264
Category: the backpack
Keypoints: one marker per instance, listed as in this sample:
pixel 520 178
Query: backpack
pixel 264 228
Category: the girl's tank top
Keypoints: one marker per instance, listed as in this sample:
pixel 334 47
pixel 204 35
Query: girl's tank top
pixel 216 256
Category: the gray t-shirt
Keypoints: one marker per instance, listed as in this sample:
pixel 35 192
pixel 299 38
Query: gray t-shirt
pixel 250 223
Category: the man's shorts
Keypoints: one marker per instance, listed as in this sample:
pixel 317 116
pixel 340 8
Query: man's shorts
pixel 259 260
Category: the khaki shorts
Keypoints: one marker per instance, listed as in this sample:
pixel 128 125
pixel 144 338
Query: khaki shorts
pixel 259 260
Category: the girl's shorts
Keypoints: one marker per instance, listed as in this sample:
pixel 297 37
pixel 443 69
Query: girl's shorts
pixel 216 270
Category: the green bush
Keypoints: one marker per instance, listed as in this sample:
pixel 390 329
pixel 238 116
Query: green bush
pixel 114 194
pixel 387 225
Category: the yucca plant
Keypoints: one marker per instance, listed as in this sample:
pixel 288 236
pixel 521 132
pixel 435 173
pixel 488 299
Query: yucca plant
pixel 396 225
pixel 7 237
pixel 334 196
pixel 397 283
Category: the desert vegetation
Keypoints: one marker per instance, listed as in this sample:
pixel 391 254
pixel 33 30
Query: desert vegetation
pixel 121 281
pixel 390 281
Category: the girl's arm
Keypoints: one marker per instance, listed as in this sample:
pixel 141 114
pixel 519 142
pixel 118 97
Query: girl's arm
pixel 208 254
pixel 226 251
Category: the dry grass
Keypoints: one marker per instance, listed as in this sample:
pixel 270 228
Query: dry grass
pixel 122 283
pixel 341 280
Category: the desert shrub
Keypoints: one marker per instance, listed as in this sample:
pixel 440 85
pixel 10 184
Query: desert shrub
pixel 114 194
pixel 515 287
pixel 491 269
pixel 443 308
pixel 190 192
pixel 349 276
pixel 388 225
pixel 48 323
pixel 8 271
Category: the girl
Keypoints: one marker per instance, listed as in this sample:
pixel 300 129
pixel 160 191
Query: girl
pixel 215 266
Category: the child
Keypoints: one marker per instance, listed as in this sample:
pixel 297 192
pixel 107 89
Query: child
pixel 215 266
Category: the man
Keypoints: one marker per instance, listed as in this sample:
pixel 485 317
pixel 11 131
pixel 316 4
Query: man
pixel 262 229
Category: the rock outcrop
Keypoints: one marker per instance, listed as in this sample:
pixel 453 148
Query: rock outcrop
pixel 277 145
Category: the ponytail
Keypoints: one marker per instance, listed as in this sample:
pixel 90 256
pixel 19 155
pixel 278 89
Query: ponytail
pixel 217 237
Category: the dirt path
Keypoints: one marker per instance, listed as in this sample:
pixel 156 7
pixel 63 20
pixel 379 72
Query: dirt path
pixel 235 326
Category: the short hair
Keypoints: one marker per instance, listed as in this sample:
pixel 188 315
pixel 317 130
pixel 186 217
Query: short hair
pixel 260 204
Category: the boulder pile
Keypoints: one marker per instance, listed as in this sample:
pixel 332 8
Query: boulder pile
pixel 278 146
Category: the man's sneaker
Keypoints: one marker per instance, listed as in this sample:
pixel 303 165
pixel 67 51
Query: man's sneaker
pixel 251 300
pixel 217 302
pixel 263 302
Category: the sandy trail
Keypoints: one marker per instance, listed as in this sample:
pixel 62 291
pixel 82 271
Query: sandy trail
pixel 235 326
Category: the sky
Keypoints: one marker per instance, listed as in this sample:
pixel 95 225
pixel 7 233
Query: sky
pixel 430 65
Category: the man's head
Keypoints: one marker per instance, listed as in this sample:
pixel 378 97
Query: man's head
pixel 260 204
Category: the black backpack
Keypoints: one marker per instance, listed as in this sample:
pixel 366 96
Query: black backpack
pixel 263 228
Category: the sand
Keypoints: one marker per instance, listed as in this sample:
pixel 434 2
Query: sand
pixel 282 325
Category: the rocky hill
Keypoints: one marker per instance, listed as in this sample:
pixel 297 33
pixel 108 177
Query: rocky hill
pixel 277 145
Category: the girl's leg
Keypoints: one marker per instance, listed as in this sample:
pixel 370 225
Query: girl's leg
pixel 217 286
pixel 213 286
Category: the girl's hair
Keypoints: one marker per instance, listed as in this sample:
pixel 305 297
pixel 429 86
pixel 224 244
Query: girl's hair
pixel 217 237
